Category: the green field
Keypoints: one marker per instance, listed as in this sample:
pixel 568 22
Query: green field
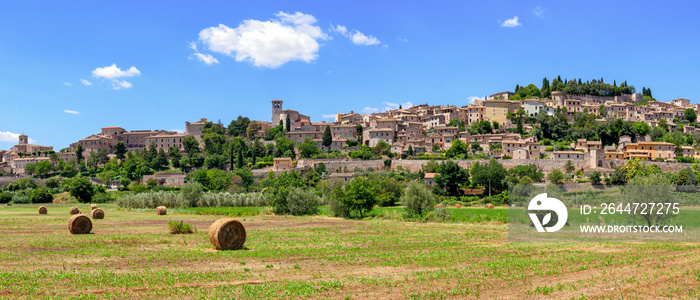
pixel 130 254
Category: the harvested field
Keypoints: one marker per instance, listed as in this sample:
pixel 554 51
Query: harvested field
pixel 132 255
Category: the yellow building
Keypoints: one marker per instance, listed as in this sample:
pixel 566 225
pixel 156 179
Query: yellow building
pixel 649 150
pixel 497 110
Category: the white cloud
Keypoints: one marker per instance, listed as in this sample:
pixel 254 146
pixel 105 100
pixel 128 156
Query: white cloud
pixel 67 83
pixel 405 40
pixel 85 82
pixel 538 11
pixel 390 105
pixel 178 130
pixel 206 58
pixel 113 71
pixel 267 43
pixel 370 110
pixel 119 84
pixel 340 29
pixel 471 99
pixel 6 136
pixel 511 22
pixel 325 116
pixel 358 38
pixel 72 112
pixel 193 46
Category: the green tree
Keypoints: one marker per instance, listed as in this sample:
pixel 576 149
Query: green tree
pixel 43 167
pixel 120 150
pixel 41 196
pixel 690 115
pixel 358 132
pixel 327 138
pixel 451 177
pixel 81 189
pixel 161 159
pixel 214 161
pixel 239 126
pixel 556 177
pixel 594 177
pixel 191 145
pixel 491 176
pixel 569 167
pixel 288 124
pixel 30 168
pixel 410 150
pixel 239 161
pixel 308 148
pixel 174 156
pixel 360 195
pixel 79 154
pixel 641 128
pixel 252 129
pixel 418 199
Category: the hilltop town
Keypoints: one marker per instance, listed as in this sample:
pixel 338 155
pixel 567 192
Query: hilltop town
pixel 597 132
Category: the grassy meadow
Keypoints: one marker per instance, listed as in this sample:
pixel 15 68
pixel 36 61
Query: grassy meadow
pixel 131 254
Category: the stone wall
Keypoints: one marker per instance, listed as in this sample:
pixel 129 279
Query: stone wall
pixel 546 165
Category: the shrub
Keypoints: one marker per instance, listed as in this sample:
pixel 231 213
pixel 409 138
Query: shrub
pixel 151 182
pixel 302 202
pixel 41 196
pixel 173 199
pixel 181 227
pixel 5 197
pixel 418 199
pixel 52 183
pixel 102 198
pixel 21 197
pixel 191 193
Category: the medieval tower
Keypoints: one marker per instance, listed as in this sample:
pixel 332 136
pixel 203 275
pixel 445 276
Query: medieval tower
pixel 276 111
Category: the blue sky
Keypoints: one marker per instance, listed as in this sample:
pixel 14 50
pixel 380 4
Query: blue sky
pixel 320 57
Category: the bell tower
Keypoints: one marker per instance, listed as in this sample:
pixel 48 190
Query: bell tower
pixel 276 111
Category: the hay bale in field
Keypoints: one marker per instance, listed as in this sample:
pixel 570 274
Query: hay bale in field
pixel 227 234
pixel 74 210
pixel 439 205
pixel 161 210
pixel 43 210
pixel 98 214
pixel 458 206
pixel 93 206
pixel 79 224
pixel 489 206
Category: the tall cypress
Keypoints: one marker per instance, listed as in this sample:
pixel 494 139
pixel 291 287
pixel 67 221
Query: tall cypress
pixel 289 123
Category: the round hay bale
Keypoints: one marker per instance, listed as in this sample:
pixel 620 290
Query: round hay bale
pixel 93 206
pixel 489 206
pixel 79 224
pixel 74 210
pixel 161 210
pixel 458 206
pixel 227 234
pixel 43 210
pixel 98 214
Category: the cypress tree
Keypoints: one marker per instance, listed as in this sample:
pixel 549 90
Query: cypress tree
pixel 327 138
pixel 289 123
pixel 240 158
